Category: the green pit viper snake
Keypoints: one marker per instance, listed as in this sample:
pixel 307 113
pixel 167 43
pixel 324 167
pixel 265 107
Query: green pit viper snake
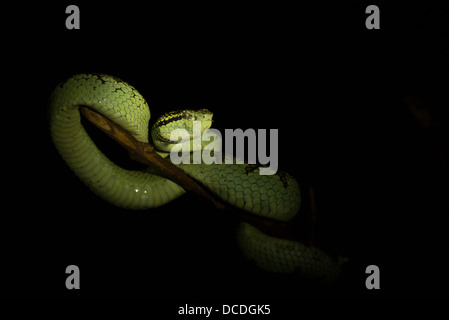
pixel 270 196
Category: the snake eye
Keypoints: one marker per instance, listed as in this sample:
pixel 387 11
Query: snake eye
pixel 187 116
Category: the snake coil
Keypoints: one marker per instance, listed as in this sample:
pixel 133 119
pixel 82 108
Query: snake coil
pixel 274 196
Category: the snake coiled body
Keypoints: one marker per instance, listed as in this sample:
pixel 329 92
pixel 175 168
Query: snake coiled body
pixel 274 196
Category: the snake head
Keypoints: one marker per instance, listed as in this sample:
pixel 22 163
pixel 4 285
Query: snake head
pixel 190 116
pixel 192 122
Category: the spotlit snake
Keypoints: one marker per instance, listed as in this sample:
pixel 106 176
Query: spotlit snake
pixel 274 196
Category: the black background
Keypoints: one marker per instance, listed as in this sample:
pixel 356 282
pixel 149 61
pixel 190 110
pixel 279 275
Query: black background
pixel 336 92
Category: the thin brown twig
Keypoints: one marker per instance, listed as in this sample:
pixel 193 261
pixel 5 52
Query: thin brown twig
pixel 312 215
